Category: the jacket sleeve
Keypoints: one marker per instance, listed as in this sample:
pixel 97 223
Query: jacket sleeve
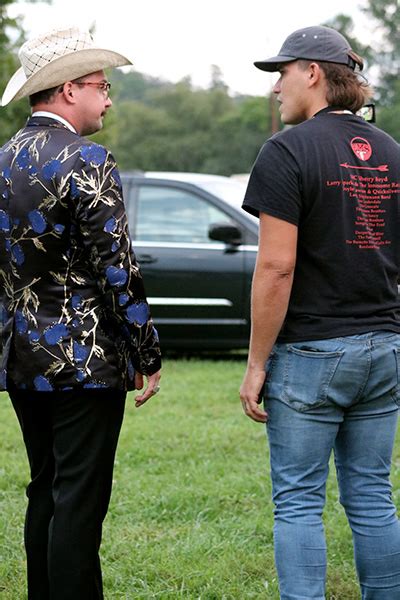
pixel 101 217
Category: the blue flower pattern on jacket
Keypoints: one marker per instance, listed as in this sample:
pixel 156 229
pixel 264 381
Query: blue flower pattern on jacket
pixel 72 300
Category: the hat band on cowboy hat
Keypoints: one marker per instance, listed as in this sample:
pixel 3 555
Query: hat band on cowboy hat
pixel 312 43
pixel 55 57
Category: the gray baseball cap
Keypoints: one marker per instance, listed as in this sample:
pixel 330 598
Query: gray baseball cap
pixel 312 43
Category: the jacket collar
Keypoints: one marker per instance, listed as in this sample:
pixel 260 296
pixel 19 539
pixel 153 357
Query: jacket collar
pixel 46 122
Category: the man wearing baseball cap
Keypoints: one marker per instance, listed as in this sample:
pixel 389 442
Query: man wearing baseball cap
pixel 325 344
pixel 76 331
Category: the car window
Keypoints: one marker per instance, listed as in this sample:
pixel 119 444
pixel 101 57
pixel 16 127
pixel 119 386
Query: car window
pixel 166 214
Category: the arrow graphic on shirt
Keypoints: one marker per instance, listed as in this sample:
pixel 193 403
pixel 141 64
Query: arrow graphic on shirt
pixel 380 168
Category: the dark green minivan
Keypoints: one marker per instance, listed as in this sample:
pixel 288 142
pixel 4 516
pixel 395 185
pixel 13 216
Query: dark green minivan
pixel 197 249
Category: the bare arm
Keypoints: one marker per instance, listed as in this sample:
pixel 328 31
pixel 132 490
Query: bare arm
pixel 272 284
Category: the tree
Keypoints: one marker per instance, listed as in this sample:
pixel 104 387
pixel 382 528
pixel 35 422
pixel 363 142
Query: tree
pixel 133 85
pixel 175 127
pixel 217 81
pixel 383 58
pixel 13 115
pixel 386 53
pixel 345 25
pixel 389 115
pixel 238 135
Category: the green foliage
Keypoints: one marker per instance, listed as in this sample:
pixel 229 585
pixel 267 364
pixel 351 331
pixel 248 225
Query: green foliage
pixel 11 37
pixel 237 137
pixel 388 117
pixel 133 85
pixel 345 25
pixel 386 56
pixel 158 125
pixel 174 127
pixel 386 14
pixel 191 514
pixel 383 57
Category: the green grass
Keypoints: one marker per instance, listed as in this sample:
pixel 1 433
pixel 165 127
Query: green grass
pixel 190 515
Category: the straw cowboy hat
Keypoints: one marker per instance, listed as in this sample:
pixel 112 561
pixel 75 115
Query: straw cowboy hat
pixel 55 57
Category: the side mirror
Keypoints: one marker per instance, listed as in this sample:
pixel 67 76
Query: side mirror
pixel 223 232
pixel 367 112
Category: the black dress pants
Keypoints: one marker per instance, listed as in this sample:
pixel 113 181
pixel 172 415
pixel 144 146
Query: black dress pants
pixel 71 438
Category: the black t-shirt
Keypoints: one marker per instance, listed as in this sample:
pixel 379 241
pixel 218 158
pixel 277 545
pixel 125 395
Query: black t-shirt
pixel 338 179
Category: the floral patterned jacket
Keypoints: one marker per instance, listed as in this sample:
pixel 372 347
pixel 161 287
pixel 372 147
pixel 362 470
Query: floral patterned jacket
pixel 72 303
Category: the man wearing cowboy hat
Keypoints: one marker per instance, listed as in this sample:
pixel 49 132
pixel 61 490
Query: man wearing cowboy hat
pixel 325 341
pixel 76 331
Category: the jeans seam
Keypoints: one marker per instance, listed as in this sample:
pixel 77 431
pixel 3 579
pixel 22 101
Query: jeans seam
pixel 367 374
pixel 395 390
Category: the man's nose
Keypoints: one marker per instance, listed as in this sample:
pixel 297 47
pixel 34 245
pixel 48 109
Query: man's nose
pixel 277 87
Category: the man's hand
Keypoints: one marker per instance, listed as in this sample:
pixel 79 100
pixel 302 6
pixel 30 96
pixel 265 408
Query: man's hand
pixel 250 391
pixel 151 388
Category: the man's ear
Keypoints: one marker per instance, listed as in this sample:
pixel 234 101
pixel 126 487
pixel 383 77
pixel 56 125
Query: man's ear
pixel 68 92
pixel 314 73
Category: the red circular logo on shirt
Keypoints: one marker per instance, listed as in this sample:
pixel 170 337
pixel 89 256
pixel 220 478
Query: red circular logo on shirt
pixel 361 148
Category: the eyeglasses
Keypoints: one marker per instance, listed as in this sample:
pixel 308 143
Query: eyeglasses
pixel 104 86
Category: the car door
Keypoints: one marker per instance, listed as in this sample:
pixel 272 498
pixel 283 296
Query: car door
pixel 195 286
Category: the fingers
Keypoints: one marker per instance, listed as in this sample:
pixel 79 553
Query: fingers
pixel 151 389
pixel 138 380
pixel 252 410
pixel 251 395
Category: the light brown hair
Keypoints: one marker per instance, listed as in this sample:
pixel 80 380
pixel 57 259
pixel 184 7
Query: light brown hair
pixel 345 88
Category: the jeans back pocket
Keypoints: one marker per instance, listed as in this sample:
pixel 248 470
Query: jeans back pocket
pixel 308 375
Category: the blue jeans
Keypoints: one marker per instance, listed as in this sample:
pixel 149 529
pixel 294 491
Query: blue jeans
pixel 339 394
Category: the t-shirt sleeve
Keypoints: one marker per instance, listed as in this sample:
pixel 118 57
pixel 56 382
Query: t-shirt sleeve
pixel 274 186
